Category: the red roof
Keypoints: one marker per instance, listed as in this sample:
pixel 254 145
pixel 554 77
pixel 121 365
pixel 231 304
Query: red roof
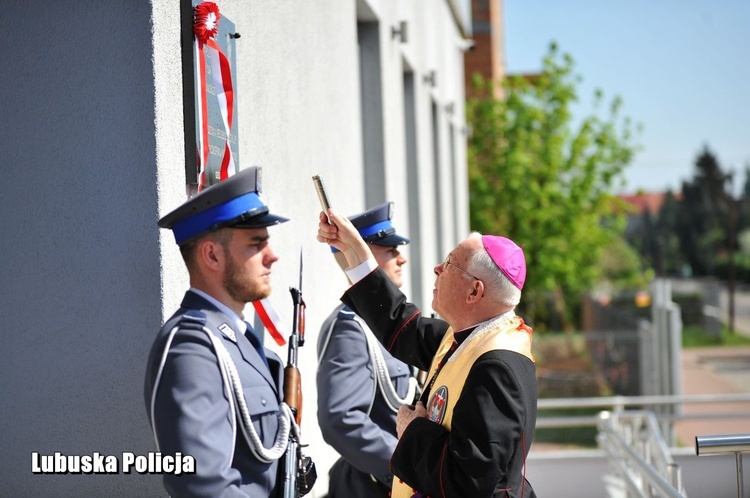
pixel 651 201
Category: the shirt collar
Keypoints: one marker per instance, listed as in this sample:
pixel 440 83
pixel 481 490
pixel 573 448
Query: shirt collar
pixel 238 324
pixel 461 335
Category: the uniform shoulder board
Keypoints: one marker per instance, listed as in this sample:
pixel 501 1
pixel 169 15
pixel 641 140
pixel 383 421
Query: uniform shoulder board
pixel 346 314
pixel 192 319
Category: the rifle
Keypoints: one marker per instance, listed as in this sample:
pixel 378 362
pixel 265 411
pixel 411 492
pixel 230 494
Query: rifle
pixel 300 473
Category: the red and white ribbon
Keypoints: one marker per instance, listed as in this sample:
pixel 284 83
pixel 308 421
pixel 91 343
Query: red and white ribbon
pixel 205 28
pixel 270 319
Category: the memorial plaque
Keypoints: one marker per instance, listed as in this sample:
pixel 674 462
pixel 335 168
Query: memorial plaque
pixel 210 101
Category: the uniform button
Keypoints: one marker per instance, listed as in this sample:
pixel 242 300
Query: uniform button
pixel 263 402
pixel 399 369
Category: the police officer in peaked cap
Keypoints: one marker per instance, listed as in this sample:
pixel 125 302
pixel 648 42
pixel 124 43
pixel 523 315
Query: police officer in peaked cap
pixel 360 385
pixel 375 226
pixel 223 237
pixel 233 203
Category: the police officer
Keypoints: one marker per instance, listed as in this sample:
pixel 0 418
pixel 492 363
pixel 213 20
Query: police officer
pixel 360 385
pixel 212 390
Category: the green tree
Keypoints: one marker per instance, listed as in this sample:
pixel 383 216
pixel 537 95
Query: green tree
pixel 545 182
pixel 670 257
pixel 743 220
pixel 642 234
pixel 702 224
pixel 621 266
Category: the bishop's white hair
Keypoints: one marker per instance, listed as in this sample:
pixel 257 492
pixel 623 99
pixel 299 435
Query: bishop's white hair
pixel 497 286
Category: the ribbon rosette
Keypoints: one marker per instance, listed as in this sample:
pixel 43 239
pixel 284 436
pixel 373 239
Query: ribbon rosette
pixel 206 21
pixel 205 28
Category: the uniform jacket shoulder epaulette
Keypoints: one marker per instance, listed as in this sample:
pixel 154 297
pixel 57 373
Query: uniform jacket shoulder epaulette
pixel 192 319
pixel 346 314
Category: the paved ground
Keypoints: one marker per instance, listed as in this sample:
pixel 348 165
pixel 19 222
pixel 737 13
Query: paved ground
pixel 714 371
pixel 718 371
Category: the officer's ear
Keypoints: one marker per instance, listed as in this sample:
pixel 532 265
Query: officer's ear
pixel 211 254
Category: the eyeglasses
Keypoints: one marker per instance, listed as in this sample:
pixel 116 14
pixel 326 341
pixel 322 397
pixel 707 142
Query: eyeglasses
pixel 447 263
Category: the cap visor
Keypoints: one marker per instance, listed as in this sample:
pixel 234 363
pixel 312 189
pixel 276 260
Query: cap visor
pixel 390 241
pixel 262 221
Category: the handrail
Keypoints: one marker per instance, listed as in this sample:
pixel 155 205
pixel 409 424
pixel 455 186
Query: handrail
pixel 618 403
pixel 623 401
pixel 645 470
pixel 590 420
pixel 726 443
pixel 651 437
pixel 634 444
pixel 722 443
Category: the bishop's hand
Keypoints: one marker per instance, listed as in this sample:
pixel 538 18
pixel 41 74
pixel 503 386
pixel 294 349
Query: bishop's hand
pixel 407 414
pixel 342 235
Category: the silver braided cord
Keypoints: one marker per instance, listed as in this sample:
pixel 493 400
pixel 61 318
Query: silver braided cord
pixel 286 420
pixel 392 398
pixel 237 403
pixel 382 377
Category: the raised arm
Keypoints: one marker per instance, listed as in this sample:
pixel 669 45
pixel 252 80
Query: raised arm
pixel 343 236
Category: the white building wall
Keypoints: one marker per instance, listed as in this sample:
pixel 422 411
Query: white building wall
pixel 79 254
pixel 93 155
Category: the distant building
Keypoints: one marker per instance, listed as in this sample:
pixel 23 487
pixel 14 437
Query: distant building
pixel 647 201
pixel 487 56
pixel 643 205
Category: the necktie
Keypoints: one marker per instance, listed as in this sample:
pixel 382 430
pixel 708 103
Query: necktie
pixel 250 334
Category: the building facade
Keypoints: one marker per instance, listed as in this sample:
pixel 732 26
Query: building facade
pixel 369 94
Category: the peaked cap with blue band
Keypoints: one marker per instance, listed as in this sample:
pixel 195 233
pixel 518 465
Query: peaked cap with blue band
pixel 232 203
pixel 375 227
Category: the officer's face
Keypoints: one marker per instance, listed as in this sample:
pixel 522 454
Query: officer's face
pixel 391 261
pixel 248 260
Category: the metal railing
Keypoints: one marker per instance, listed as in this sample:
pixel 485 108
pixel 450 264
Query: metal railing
pixel 638 454
pixel 620 403
pixel 634 440
pixel 726 443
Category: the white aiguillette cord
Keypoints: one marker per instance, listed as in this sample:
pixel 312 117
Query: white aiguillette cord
pixel 237 403
pixel 383 378
pixel 392 398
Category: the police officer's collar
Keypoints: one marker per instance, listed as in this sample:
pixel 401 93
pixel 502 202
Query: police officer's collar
pixel 236 322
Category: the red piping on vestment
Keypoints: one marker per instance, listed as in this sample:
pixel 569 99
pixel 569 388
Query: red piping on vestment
pixel 402 328
pixel 523 474
pixel 442 459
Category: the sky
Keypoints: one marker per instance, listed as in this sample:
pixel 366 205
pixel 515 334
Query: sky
pixel 682 68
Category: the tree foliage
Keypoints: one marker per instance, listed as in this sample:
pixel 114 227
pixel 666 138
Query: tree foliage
pixel 545 181
pixel 622 267
pixel 697 229
pixel 702 224
pixel 667 256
